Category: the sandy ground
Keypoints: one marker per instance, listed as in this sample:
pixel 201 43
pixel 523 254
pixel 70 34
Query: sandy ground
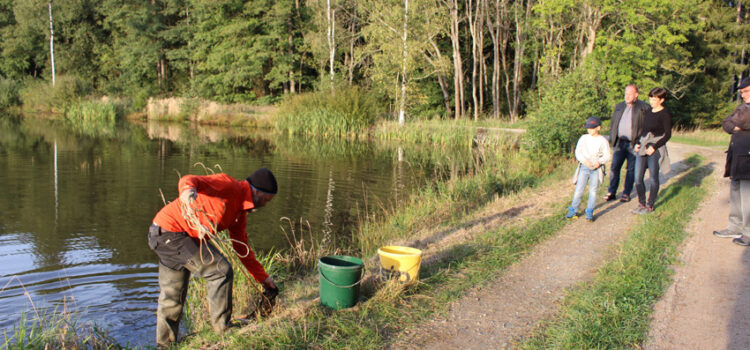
pixel 695 313
pixel 708 305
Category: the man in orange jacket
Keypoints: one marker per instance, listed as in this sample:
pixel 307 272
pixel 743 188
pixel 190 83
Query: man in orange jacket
pixel 220 203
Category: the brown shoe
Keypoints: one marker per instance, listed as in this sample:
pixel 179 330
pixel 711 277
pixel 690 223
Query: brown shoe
pixel 625 198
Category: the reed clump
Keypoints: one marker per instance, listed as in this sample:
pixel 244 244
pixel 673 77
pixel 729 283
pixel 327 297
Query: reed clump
pixel 304 250
pixel 55 329
pixel 346 112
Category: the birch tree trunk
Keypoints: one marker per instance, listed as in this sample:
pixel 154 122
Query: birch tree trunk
pixel 441 80
pixel 402 106
pixel 458 72
pixel 51 43
pixel 499 34
pixel 481 9
pixel 520 47
pixel 331 19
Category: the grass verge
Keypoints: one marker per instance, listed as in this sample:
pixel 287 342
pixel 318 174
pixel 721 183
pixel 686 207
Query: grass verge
pixel 55 329
pixel 612 311
pixel 702 137
pixel 392 308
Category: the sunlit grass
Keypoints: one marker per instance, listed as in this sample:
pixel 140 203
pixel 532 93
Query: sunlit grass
pixel 391 308
pixel 347 112
pixel 702 137
pixel 612 311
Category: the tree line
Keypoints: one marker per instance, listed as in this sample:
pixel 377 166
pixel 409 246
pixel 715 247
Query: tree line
pixel 452 58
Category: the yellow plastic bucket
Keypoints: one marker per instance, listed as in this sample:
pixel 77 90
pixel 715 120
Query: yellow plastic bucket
pixel 400 262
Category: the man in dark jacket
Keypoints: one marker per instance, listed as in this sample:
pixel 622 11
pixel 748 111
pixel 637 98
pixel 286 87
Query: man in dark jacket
pixel 627 121
pixel 738 171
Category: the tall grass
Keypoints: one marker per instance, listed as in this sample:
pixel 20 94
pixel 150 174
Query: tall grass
pixel 93 117
pixel 55 329
pixel 702 137
pixel 454 133
pixel 503 171
pixel 612 311
pixel 207 112
pixel 345 112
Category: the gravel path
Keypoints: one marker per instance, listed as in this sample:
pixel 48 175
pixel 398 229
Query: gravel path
pixel 708 305
pixel 500 314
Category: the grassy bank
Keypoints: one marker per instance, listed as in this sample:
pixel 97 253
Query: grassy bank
pixel 58 329
pixel 391 309
pixel 388 309
pixel 612 311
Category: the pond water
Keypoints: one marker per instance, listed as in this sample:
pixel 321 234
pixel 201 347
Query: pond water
pixel 75 206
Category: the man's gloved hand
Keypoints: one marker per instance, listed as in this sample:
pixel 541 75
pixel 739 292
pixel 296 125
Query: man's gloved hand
pixel 267 302
pixel 269 285
pixel 188 195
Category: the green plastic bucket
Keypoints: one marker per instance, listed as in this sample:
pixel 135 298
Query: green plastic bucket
pixel 340 276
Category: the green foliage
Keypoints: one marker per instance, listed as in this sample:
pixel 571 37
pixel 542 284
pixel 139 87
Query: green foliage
pixel 9 93
pixel 346 111
pixel 557 121
pixel 648 43
pixel 41 95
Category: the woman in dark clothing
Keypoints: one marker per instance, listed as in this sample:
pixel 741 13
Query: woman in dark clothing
pixel 650 150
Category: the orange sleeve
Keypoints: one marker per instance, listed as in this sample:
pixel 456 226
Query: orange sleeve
pixel 253 266
pixel 188 181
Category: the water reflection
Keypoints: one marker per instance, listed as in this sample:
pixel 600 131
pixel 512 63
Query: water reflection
pixel 75 206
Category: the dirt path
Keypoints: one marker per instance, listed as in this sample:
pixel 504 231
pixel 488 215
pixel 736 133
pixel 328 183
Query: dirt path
pixel 506 310
pixel 708 305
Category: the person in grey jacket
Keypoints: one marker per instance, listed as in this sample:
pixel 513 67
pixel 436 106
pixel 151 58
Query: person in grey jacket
pixel 627 121
pixel 738 170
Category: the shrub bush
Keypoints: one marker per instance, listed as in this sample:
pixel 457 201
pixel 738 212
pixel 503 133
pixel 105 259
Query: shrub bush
pixel 9 93
pixel 557 121
pixel 41 95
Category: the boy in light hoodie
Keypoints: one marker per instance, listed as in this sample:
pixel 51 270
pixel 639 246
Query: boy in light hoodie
pixel 592 151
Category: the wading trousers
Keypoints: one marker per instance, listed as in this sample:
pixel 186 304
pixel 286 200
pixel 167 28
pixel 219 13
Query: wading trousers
pixel 179 256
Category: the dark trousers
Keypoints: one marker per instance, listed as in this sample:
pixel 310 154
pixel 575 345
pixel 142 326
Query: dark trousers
pixel 623 151
pixel 652 163
pixel 179 256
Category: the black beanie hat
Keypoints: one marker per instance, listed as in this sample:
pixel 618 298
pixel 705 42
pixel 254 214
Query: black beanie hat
pixel 263 180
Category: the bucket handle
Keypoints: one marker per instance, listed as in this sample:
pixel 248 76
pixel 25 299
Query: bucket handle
pixel 361 276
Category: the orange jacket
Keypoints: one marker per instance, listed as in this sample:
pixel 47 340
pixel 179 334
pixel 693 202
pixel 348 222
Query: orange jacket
pixel 222 201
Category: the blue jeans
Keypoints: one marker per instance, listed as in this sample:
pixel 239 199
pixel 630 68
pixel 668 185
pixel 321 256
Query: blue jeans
pixel 623 151
pixel 652 163
pixel 586 175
